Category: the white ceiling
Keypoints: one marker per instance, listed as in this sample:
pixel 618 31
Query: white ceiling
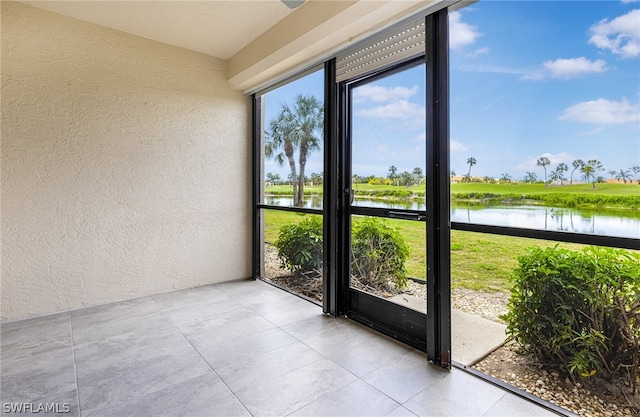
pixel 262 40
pixel 219 28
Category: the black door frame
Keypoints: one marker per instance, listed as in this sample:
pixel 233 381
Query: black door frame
pixel 438 191
pixel 399 322
pixel 433 333
pixel 404 324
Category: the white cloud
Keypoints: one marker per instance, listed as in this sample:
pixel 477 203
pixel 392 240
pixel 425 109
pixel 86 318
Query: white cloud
pixel 399 109
pixel 461 34
pixel 555 159
pixel 379 94
pixel 602 112
pixel 567 68
pixel 620 35
pixel 457 147
pixel 478 52
pixel 492 69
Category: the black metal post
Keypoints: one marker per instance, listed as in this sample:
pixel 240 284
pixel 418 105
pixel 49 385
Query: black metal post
pixel 343 197
pixel 330 205
pixel 256 264
pixel 438 190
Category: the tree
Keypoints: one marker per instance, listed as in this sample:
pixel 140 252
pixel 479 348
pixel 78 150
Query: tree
pixel 273 178
pixel 471 161
pixel 623 175
pixel 560 170
pixel 406 179
pixel 587 172
pixel 393 174
pixel 530 177
pixel 554 176
pixel 636 171
pixel 543 161
pixel 316 179
pixel 590 171
pixel 417 174
pixel 578 163
pixel 452 173
pixel 505 177
pixel 297 128
pixel 596 168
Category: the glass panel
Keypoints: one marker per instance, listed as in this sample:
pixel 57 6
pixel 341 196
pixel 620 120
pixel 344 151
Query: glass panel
pixel 545 116
pixel 292 143
pixel 545 120
pixel 388 141
pixel 388 259
pixel 292 251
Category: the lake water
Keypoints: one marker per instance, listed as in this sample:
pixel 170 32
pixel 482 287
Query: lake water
pixel 620 223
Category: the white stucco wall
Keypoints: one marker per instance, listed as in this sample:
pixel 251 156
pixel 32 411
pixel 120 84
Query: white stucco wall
pixel 125 166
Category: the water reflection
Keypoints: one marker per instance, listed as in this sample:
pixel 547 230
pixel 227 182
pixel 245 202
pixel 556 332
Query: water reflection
pixel 608 223
pixel 620 223
pixel 314 201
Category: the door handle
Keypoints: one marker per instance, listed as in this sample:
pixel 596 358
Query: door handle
pixel 406 216
pixel 350 193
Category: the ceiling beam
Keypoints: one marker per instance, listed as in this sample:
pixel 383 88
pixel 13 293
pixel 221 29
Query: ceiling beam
pixel 314 30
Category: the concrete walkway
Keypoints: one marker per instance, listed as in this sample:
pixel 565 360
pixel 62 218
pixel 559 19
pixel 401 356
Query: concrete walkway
pixel 472 337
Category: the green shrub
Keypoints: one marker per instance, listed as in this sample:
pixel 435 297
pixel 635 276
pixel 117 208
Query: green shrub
pixel 579 310
pixel 300 245
pixel 378 252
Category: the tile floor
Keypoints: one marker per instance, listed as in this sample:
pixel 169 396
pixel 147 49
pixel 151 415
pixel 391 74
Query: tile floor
pixel 234 349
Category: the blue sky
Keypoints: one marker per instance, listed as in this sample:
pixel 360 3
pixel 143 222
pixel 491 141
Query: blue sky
pixel 528 79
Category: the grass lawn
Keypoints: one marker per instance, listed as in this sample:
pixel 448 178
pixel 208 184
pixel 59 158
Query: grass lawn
pixel 521 188
pixel 485 188
pixel 485 262
pixel 478 261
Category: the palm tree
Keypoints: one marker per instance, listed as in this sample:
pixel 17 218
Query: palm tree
pixel 543 161
pixel 531 177
pixel 405 178
pixel 560 170
pixel 636 171
pixel 597 167
pixel 505 177
pixel 392 174
pixel 417 173
pixel 613 173
pixel 355 179
pixel 294 129
pixel 587 172
pixel 471 161
pixel 623 175
pixel 578 163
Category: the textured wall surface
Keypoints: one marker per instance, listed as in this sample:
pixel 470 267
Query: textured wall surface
pixel 125 166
